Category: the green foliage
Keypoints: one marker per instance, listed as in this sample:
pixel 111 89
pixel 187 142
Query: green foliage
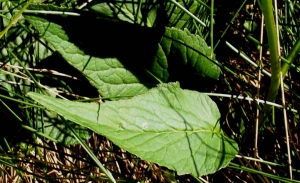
pixel 122 73
pixel 172 127
pixel 131 57
pixel 18 53
pixel 111 76
pixel 138 45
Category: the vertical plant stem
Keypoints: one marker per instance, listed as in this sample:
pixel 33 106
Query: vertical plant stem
pixel 212 29
pixel 267 9
pixel 258 87
pixel 138 12
pixel 283 100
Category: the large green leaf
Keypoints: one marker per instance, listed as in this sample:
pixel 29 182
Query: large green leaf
pixel 175 128
pixel 107 74
pixel 126 65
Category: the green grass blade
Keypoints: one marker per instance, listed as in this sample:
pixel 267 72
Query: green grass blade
pixel 92 155
pixel 290 58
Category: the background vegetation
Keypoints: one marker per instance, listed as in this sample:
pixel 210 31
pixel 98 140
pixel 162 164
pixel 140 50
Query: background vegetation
pixel 226 49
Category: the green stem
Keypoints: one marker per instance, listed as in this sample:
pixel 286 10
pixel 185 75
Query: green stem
pixel 212 29
pixel 290 58
pixel 16 18
pixel 267 9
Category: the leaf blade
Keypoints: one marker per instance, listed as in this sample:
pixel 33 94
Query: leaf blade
pixel 163 126
pixel 108 75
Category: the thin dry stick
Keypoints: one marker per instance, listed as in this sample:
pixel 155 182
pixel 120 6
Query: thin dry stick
pixel 258 86
pixel 283 97
pixel 250 99
pixel 28 79
pixel 256 154
pixel 38 70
